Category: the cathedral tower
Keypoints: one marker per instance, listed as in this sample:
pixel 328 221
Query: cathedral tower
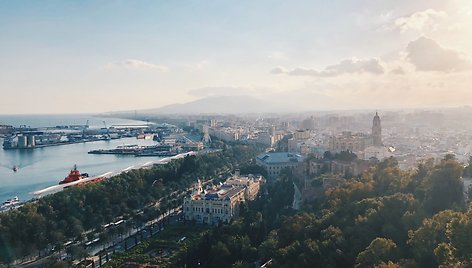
pixel 376 131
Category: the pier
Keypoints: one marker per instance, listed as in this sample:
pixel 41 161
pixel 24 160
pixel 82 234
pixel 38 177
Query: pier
pixel 30 138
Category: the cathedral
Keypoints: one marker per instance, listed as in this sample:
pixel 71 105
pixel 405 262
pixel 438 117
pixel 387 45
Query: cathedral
pixel 363 144
pixel 377 150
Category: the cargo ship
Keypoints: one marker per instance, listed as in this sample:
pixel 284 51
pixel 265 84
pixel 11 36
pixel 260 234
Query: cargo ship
pixel 75 175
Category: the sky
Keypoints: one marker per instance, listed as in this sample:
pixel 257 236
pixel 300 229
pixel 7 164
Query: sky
pixel 98 56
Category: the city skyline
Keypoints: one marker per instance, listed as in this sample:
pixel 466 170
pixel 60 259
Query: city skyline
pixel 76 57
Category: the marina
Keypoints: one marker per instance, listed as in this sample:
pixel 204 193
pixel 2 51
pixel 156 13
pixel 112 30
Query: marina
pixel 32 138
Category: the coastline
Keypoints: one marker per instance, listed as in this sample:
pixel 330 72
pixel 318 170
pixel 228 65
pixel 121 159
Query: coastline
pixel 45 165
pixel 110 174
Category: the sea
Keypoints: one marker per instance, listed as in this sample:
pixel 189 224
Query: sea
pixel 43 167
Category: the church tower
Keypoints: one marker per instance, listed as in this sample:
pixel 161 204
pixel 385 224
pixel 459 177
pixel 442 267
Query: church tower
pixel 376 131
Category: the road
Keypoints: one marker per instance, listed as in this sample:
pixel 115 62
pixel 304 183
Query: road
pixel 129 240
pixel 101 256
pixel 119 243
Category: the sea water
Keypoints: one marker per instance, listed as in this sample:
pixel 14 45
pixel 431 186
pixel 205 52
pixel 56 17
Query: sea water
pixel 43 167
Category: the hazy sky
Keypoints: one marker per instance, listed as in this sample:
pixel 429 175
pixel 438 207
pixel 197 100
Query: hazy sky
pixel 95 56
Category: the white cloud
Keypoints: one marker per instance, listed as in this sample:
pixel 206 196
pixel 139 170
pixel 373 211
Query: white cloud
pixel 398 70
pixel 427 55
pixel 138 65
pixel 348 66
pixel 420 89
pixel 420 21
pixel 278 70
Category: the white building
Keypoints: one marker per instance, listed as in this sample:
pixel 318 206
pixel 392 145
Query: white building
pixel 349 142
pixel 251 183
pixel 274 163
pixel 220 204
pixel 225 134
pixel 357 143
pixel 302 134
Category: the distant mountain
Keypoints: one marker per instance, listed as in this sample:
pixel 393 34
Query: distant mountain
pixel 223 105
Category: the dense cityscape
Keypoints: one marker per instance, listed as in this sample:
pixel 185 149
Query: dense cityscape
pixel 217 173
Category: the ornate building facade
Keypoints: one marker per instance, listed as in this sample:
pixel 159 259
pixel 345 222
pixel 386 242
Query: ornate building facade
pixel 358 142
pixel 220 204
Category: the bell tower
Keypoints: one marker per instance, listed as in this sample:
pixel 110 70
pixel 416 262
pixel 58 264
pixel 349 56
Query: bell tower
pixel 376 131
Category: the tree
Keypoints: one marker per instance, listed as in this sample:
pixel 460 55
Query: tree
pixel 379 250
pixel 444 188
pixel 429 235
pixel 345 156
pixel 220 254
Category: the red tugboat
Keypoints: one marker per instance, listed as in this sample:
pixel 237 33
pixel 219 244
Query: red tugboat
pixel 74 175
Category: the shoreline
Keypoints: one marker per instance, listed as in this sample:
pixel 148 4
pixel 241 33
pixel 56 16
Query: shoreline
pixel 110 174
pixel 38 194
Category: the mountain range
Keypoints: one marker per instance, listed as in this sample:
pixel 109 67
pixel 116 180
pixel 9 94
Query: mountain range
pixel 222 105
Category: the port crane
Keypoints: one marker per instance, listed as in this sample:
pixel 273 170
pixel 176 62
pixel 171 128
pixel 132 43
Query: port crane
pixel 84 128
pixel 108 131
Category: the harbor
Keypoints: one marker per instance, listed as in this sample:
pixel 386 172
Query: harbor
pixel 170 145
pixel 31 138
pixel 36 157
pixel 26 170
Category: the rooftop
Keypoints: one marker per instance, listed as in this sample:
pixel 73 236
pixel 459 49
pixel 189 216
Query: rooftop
pixel 223 192
pixel 283 157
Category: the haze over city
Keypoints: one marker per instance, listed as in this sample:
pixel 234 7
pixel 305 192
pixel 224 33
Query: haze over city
pixel 89 56
pixel 236 134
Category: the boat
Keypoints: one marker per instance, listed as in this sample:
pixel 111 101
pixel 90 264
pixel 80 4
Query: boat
pixel 15 168
pixel 10 203
pixel 74 175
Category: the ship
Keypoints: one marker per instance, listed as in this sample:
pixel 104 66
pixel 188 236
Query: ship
pixel 75 175
pixel 10 204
